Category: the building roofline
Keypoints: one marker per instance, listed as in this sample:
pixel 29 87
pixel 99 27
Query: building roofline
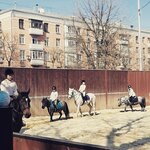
pixel 58 16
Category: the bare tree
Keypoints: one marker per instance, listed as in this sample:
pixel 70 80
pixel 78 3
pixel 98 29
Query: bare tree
pixel 9 47
pixel 56 57
pixel 99 20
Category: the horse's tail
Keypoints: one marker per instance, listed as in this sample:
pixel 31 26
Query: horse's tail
pixel 144 102
pixel 66 110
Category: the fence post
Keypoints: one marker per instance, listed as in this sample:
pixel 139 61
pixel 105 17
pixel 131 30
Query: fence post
pixel 106 87
pixel 6 134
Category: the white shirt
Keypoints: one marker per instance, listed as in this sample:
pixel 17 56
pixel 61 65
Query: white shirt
pixel 131 92
pixel 53 95
pixel 82 88
pixel 9 87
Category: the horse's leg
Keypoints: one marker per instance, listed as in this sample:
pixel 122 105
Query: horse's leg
pixel 60 113
pixel 131 107
pixel 125 108
pixel 80 112
pixel 78 109
pixel 93 100
pixel 89 104
pixel 142 107
pixel 51 115
pixel 94 113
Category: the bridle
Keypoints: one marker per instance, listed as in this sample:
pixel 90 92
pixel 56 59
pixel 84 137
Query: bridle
pixel 73 94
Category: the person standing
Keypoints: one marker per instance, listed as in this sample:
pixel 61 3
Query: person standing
pixel 8 85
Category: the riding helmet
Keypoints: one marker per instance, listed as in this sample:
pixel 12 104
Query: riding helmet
pixel 129 86
pixel 82 81
pixel 9 71
pixel 54 88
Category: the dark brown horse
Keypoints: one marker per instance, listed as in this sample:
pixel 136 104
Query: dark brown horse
pixel 61 106
pixel 20 107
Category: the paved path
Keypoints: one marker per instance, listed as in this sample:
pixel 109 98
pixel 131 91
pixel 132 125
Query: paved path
pixel 112 128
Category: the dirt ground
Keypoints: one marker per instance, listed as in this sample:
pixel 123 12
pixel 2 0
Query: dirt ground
pixel 111 127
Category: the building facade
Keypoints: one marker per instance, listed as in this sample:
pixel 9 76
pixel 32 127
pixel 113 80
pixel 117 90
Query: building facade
pixel 38 39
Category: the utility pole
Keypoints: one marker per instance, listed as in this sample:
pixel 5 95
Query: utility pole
pixel 139 24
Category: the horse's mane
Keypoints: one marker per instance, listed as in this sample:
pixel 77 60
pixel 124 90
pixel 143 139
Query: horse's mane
pixel 126 96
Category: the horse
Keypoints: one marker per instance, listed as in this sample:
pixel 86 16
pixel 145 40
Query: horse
pixel 125 100
pixel 20 107
pixel 79 100
pixel 61 106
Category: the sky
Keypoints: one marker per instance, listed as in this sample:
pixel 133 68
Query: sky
pixel 128 9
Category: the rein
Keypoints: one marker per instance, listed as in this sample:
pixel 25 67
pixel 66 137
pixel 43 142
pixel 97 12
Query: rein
pixel 75 95
pixel 15 109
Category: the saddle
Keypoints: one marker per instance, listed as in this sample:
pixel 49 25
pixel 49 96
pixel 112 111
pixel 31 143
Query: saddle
pixel 85 98
pixel 56 104
pixel 134 100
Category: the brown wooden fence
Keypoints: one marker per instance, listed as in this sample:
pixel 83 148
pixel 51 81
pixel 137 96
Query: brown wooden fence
pixel 107 85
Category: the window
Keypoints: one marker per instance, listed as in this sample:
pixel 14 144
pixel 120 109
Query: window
pixel 71 43
pixel 46 41
pixel 71 58
pixel 36 24
pixel 79 58
pixel 57 28
pixel 137 49
pixel 35 40
pixel 71 29
pixel 78 31
pixel 21 39
pixel 123 37
pixel 45 27
pixel 149 50
pixel 137 60
pixel 22 55
pixel 143 39
pixel 57 42
pixel 46 56
pixel 21 23
pixel 37 55
pixel 143 50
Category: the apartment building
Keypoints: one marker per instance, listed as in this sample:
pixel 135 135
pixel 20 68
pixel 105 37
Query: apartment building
pixel 37 37
pixel 129 45
pixel 40 39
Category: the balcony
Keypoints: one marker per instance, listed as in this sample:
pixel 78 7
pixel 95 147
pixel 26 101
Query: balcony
pixel 35 31
pixel 39 47
pixel 70 35
pixel 124 42
pixel 37 62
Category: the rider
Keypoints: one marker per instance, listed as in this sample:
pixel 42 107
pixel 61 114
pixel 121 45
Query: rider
pixel 54 96
pixel 8 85
pixel 132 95
pixel 82 89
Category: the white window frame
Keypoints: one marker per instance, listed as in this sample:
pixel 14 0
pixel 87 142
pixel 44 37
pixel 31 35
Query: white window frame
pixel 58 42
pixel 22 55
pixel 21 39
pixel 57 29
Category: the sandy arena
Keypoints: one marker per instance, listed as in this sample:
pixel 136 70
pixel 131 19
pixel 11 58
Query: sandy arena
pixel 111 127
